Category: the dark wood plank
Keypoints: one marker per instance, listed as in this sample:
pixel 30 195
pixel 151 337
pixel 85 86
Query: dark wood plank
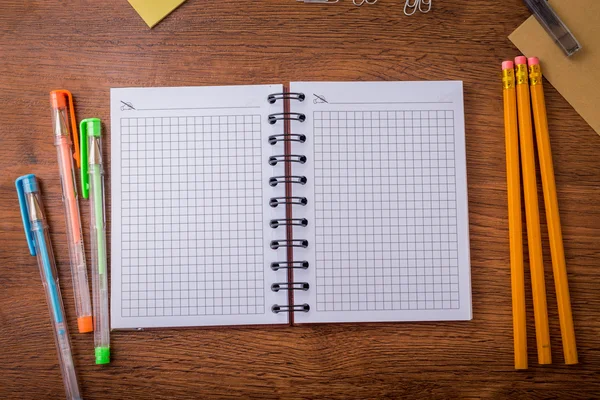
pixel 89 47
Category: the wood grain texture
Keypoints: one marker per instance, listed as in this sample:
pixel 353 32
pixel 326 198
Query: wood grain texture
pixel 91 46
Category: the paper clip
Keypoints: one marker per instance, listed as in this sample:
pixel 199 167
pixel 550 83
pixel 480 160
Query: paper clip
pixel 319 1
pixel 361 2
pixel 411 6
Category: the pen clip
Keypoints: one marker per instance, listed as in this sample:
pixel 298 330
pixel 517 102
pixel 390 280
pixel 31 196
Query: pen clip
pixel 68 94
pixel 25 211
pixel 85 183
pixel 87 127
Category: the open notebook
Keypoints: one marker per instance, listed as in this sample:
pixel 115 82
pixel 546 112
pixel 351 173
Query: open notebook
pixel 245 205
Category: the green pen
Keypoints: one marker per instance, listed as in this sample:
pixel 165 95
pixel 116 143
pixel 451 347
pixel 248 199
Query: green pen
pixel 92 181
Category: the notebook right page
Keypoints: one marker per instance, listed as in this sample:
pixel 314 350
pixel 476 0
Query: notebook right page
pixel 386 186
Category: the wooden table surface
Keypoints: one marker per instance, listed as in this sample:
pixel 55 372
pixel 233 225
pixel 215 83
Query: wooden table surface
pixel 91 46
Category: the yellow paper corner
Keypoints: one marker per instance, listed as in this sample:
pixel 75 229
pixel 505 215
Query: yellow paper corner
pixel 153 11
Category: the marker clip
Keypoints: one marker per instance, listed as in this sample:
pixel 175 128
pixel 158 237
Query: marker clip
pixel 31 183
pixel 95 127
pixel 57 103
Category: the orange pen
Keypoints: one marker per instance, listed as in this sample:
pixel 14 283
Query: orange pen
pixel 557 251
pixel 513 180
pixel 60 101
pixel 532 213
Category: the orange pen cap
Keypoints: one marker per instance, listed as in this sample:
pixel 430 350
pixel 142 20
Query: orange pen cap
pixel 58 100
pixel 85 324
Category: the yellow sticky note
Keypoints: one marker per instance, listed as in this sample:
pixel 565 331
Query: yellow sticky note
pixel 153 11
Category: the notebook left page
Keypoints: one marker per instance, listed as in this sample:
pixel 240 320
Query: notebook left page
pixel 190 207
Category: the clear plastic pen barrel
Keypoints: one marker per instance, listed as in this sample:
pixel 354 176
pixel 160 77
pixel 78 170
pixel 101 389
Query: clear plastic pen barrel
pixel 62 140
pixel 99 259
pixel 49 276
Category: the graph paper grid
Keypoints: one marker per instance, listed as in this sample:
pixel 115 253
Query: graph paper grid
pixel 192 236
pixel 385 205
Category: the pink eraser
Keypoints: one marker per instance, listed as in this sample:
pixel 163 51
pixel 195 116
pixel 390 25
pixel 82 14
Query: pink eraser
pixel 507 65
pixel 520 60
pixel 533 61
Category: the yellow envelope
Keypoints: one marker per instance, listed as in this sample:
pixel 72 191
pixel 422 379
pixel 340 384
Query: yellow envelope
pixel 577 78
pixel 153 11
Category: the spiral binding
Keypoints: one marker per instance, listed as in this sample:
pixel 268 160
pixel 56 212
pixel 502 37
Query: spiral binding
pixel 276 223
pixel 302 243
pixel 296 307
pixel 292 116
pixel 273 160
pixel 291 137
pixel 276 180
pixel 276 287
pixel 272 98
pixel 277 265
pixel 293 200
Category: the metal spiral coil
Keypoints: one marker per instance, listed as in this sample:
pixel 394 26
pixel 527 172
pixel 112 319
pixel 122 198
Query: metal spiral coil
pixel 293 308
pixel 274 160
pixel 272 98
pixel 291 137
pixel 297 200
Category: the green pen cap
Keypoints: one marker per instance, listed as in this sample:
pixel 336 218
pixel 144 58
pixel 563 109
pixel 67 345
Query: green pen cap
pixel 89 127
pixel 102 355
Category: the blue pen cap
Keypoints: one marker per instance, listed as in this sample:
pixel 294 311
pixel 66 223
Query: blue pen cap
pixel 30 183
pixel 26 184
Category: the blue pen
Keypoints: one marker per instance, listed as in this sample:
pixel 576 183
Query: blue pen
pixel 38 240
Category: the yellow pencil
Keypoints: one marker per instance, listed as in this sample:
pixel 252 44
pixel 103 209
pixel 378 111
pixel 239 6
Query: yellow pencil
pixel 557 251
pixel 532 215
pixel 513 180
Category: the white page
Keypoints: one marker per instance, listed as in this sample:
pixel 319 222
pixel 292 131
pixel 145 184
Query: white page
pixel 190 213
pixel 388 223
